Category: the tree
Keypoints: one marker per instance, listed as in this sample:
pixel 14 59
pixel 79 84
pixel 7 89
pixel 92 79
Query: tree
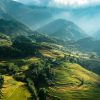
pixel 42 94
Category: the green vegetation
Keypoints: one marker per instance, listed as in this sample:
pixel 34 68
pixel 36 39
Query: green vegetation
pixel 14 90
pixel 41 67
pixel 1 84
pixel 21 47
pixel 64 93
pixel 5 40
pixel 72 82
pixel 40 37
pixel 88 45
pixel 63 30
pixel 13 28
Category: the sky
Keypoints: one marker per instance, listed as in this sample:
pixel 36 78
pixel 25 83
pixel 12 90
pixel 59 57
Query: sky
pixel 88 20
pixel 61 3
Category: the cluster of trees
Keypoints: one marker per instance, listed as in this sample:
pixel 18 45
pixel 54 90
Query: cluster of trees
pixel 9 68
pixel 39 37
pixel 39 94
pixel 32 88
pixel 90 64
pixel 35 73
pixel 9 52
pixel 39 75
pixel 1 83
pixel 21 47
pixel 25 48
pixel 5 40
pixel 70 58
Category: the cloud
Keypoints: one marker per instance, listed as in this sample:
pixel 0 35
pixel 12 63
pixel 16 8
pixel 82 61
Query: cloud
pixel 61 3
pixel 73 3
pixel 34 2
pixel 68 2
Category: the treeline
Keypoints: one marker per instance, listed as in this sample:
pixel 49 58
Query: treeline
pixel 39 76
pixel 90 64
pixel 32 89
pixel 40 37
pixel 21 47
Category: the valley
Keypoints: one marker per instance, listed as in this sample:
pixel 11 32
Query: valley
pixel 45 56
pixel 58 75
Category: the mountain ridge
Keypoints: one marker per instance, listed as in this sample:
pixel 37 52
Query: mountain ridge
pixel 68 27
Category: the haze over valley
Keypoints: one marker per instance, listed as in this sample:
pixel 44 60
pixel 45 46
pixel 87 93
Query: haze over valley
pixel 49 50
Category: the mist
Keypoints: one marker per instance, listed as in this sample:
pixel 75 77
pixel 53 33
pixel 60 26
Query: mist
pixel 84 13
pixel 89 23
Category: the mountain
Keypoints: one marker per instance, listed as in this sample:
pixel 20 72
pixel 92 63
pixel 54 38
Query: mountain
pixel 23 13
pixel 63 29
pixel 30 15
pixel 97 34
pixel 13 28
pixel 88 45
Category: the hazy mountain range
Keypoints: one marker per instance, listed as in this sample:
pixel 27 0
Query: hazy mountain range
pixel 13 28
pixel 30 15
pixel 23 13
pixel 63 29
pixel 62 23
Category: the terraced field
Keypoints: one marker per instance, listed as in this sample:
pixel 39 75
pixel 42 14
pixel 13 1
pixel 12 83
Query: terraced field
pixel 74 93
pixel 72 82
pixel 14 90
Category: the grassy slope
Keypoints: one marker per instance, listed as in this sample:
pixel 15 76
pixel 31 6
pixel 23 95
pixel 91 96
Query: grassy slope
pixel 68 79
pixel 69 85
pixel 52 54
pixel 23 64
pixel 5 40
pixel 14 90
